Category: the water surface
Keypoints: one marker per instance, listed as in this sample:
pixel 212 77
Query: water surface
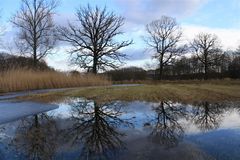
pixel 84 129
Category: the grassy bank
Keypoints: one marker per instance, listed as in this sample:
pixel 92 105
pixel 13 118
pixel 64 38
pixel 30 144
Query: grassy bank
pixel 156 82
pixel 20 80
pixel 178 92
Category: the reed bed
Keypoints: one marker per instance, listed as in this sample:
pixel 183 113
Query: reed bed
pixel 23 80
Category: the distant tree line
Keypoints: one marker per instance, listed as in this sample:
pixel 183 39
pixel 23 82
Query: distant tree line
pixel 9 62
pixel 223 66
pixel 128 73
pixel 183 68
pixel 94 45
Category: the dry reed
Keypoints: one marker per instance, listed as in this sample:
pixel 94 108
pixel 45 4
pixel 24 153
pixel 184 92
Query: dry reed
pixel 22 80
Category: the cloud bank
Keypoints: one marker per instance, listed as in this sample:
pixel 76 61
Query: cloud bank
pixel 144 11
pixel 229 38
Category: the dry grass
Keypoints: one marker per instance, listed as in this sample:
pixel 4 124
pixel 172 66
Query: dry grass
pixel 21 80
pixel 226 81
pixel 181 92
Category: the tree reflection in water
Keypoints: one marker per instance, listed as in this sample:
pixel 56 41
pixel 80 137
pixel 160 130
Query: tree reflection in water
pixel 95 126
pixel 207 116
pixel 167 131
pixel 36 137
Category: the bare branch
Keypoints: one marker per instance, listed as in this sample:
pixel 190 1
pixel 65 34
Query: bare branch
pixel 37 34
pixel 207 48
pixel 163 36
pixel 93 39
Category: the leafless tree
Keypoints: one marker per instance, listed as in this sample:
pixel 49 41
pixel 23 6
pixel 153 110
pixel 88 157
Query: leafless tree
pixel 93 39
pixel 163 36
pixel 207 48
pixel 37 35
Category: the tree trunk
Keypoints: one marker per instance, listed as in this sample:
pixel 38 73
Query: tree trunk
pixel 34 48
pixel 205 71
pixel 160 72
pixel 94 69
pixel 34 58
pixel 205 66
pixel 161 68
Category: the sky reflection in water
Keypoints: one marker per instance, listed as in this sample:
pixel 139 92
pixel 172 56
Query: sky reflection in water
pixel 84 129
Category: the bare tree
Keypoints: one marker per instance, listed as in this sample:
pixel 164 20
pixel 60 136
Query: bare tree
pixel 36 28
pixel 93 39
pixel 207 48
pixel 163 36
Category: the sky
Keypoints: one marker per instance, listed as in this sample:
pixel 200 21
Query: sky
pixel 220 17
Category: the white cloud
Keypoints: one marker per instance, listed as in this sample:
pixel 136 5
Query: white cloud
pixel 230 38
pixel 144 11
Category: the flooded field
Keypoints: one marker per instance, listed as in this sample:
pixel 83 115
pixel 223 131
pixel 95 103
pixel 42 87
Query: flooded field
pixel 85 129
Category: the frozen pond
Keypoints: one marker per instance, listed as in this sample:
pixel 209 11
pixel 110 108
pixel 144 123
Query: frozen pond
pixel 15 110
pixel 84 129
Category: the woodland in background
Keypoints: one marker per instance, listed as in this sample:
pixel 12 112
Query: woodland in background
pixel 226 66
pixel 10 62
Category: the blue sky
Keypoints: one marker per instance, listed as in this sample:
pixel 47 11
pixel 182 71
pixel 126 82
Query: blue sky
pixel 221 17
pixel 217 13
